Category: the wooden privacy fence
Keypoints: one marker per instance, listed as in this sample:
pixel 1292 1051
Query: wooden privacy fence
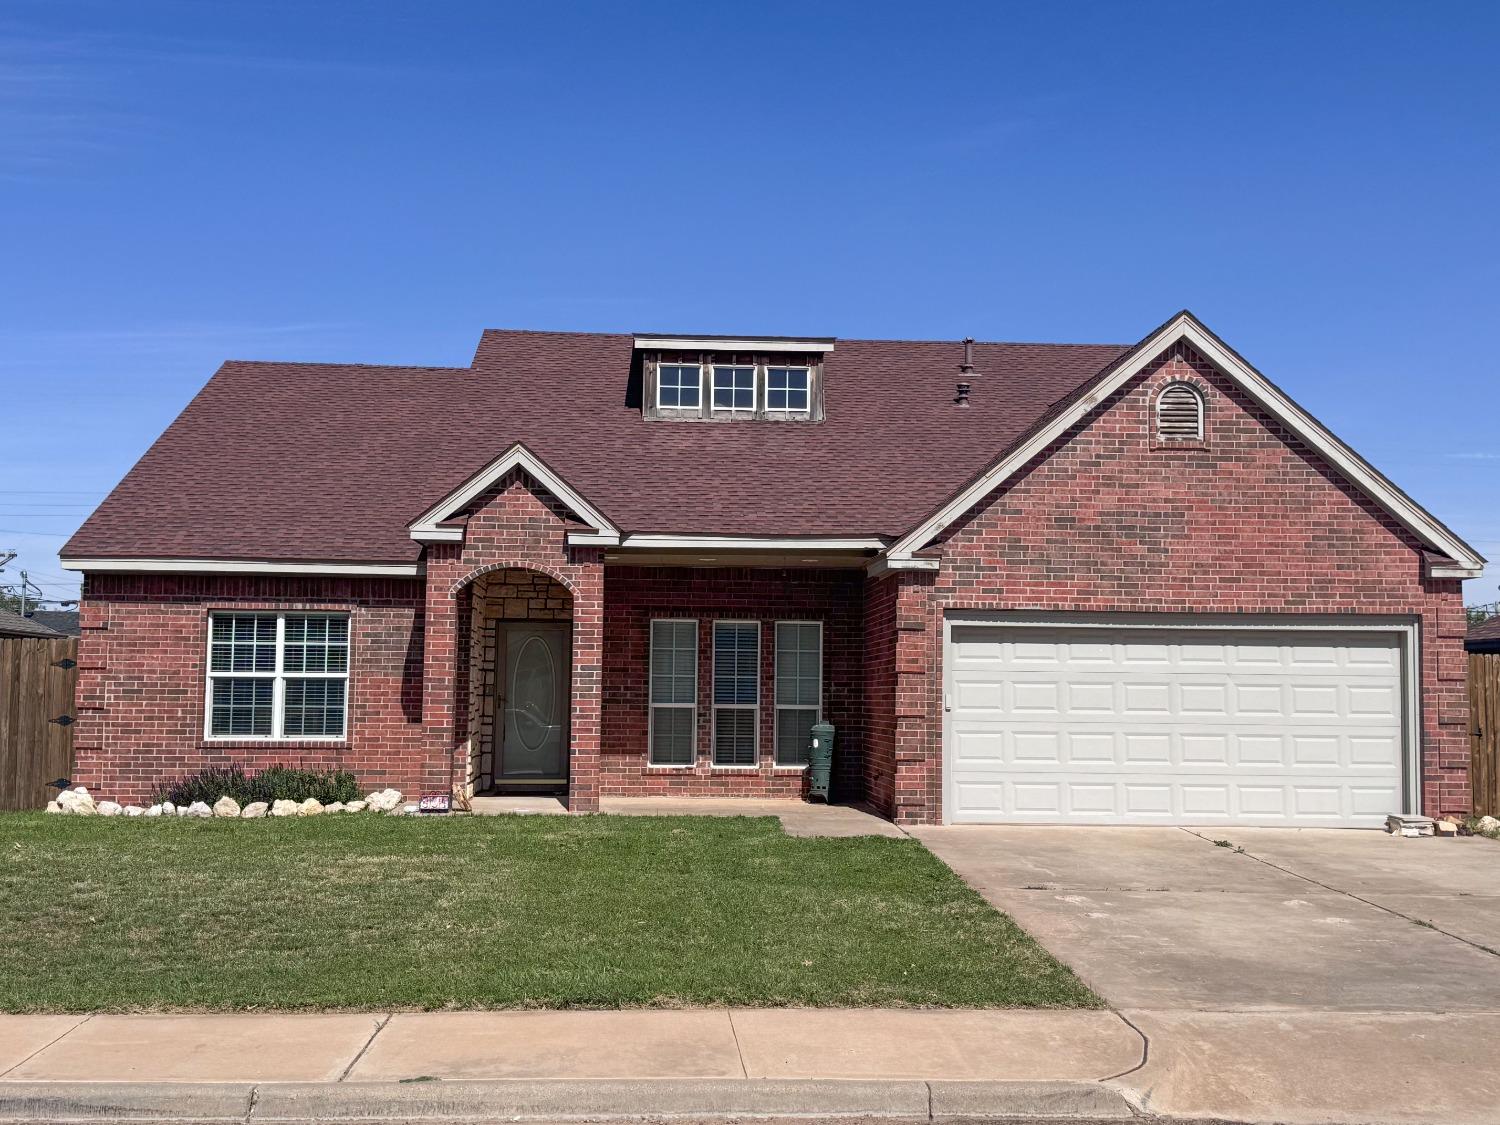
pixel 37 678
pixel 1484 731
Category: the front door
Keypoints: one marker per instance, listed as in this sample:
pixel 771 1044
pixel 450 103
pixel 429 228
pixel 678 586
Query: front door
pixel 534 703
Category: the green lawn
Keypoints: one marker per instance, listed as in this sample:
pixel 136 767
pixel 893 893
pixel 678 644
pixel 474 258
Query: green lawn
pixel 491 912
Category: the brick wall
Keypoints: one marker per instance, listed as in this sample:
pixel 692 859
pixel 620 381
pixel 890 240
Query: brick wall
pixel 635 595
pixel 143 667
pixel 515 526
pixel 1247 521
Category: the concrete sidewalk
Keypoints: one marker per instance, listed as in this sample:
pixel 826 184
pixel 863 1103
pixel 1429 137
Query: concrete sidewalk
pixel 544 1065
pixel 736 1045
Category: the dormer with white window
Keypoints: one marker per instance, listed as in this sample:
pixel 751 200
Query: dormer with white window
pixel 729 379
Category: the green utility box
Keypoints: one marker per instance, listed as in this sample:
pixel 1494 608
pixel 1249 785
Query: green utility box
pixel 820 760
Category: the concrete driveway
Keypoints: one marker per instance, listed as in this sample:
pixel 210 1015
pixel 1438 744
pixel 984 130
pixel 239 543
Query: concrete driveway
pixel 1308 975
pixel 1299 919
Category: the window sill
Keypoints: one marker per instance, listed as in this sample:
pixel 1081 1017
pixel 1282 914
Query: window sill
pixel 243 743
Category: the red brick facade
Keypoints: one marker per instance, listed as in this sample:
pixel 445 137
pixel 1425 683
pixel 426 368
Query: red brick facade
pixel 1107 520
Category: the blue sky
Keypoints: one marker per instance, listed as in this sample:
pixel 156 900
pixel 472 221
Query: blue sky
pixel 183 182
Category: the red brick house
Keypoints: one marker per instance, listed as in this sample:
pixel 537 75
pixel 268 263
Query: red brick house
pixel 1026 582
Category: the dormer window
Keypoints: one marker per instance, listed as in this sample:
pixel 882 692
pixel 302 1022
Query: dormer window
pixel 680 386
pixel 787 389
pixel 734 387
pixel 731 378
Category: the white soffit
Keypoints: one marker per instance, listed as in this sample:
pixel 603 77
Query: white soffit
pixel 731 344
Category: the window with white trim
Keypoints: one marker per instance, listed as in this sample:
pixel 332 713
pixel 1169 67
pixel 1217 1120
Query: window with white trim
pixel 674 693
pixel 787 389
pixel 799 688
pixel 734 387
pixel 679 385
pixel 278 675
pixel 736 693
pixel 1179 413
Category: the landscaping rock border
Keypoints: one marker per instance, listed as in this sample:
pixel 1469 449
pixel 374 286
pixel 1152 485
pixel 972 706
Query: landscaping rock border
pixel 78 802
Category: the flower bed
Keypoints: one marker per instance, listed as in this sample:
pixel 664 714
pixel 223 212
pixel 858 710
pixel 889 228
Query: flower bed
pixel 79 802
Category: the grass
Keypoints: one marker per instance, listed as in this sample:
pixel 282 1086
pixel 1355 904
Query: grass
pixel 494 912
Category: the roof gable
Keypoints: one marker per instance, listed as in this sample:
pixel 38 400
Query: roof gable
pixel 427 528
pixel 1461 561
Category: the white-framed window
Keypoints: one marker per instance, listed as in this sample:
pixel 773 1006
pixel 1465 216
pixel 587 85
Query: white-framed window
pixel 277 675
pixel 673 722
pixel 679 385
pixel 734 387
pixel 787 389
pixel 799 688
pixel 736 693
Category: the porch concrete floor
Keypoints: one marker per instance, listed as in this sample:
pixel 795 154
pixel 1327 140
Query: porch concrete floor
pixel 798 818
pixel 518 805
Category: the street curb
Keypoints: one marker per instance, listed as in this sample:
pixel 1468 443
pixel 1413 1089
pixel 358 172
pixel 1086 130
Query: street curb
pixel 599 1099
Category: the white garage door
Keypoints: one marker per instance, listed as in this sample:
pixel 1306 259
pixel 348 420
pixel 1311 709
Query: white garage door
pixel 1172 726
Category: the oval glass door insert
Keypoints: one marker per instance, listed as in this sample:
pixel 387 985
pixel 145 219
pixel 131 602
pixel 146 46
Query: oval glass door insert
pixel 533 692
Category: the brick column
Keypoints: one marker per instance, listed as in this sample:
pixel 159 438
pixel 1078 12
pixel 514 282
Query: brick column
pixel 918 721
pixel 587 573
pixel 441 645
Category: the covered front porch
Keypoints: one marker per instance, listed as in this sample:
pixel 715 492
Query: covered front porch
pixel 709 679
pixel 585 664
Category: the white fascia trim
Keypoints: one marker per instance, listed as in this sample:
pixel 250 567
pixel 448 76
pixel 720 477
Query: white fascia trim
pixel 885 565
pixel 1416 520
pixel 1455 572
pixel 744 543
pixel 425 528
pixel 727 344
pixel 241 566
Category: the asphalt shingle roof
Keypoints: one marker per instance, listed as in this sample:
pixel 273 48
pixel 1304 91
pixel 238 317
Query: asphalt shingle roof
pixel 331 462
pixel 12 624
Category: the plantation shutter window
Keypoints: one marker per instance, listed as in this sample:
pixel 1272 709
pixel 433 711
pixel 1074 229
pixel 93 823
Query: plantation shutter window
pixel 674 693
pixel 799 688
pixel 736 692
pixel 277 675
pixel 1179 412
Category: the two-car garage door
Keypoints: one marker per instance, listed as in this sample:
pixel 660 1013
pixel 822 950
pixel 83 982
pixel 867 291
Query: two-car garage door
pixel 1121 725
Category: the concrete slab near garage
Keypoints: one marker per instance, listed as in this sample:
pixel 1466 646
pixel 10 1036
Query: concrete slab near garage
pixel 1162 918
pixel 1305 1067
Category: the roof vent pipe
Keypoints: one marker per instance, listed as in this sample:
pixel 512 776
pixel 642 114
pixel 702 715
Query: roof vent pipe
pixel 966 373
pixel 962 398
pixel 967 366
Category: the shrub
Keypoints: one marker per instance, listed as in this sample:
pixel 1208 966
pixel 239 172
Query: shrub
pixel 274 783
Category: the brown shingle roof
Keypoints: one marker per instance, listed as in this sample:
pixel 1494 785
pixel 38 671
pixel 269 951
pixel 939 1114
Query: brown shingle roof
pixel 12 624
pixel 331 462
pixel 1486 632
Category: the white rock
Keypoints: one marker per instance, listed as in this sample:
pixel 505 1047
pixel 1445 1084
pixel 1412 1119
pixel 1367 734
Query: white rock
pixel 399 810
pixel 337 806
pixel 76 801
pixel 1488 824
pixel 310 807
pixel 53 807
pixel 108 808
pixel 355 806
pixel 383 801
pixel 133 810
pixel 154 810
pixel 254 810
pixel 168 809
pixel 226 806
pixel 284 808
pixel 199 809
